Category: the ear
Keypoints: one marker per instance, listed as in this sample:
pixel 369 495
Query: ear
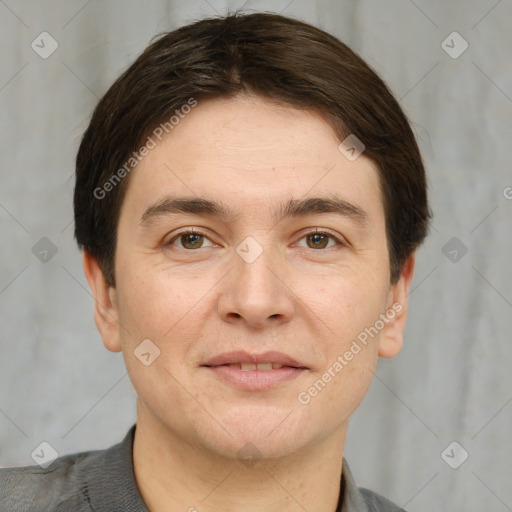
pixel 105 307
pixel 391 337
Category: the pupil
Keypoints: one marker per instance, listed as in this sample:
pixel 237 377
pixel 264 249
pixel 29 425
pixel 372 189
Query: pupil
pixel 318 239
pixel 191 239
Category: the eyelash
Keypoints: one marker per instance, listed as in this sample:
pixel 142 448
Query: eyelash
pixel 194 231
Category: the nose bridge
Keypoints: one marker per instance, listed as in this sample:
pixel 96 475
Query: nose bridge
pixel 254 260
pixel 256 292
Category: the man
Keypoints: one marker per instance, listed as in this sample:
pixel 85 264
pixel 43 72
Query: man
pixel 249 198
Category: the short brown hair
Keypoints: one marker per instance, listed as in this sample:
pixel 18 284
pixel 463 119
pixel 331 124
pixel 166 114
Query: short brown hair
pixel 272 56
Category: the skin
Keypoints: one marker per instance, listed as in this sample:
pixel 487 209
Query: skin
pixel 193 304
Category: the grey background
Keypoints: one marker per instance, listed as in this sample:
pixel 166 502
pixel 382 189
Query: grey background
pixel 452 381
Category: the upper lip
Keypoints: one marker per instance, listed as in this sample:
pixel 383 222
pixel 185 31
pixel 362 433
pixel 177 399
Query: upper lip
pixel 243 357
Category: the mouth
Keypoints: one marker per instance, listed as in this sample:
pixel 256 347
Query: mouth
pixel 254 372
pixel 248 367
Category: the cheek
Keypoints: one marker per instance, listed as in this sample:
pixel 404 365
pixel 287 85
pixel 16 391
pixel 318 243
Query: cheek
pixel 143 292
pixel 345 303
pixel 345 307
pixel 162 312
pixel 141 302
pixel 349 354
pixel 167 307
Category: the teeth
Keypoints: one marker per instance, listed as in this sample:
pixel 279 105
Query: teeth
pixel 252 366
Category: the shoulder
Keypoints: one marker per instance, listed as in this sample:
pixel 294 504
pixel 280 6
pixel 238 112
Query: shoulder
pixel 359 499
pixel 377 503
pixel 56 488
pixel 81 482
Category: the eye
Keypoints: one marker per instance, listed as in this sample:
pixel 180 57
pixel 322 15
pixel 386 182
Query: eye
pixel 318 239
pixel 193 239
pixel 190 239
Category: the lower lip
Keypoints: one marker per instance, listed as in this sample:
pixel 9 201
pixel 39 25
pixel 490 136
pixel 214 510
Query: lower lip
pixel 256 380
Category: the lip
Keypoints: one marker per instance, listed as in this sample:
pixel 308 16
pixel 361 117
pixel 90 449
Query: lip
pixel 241 356
pixel 254 380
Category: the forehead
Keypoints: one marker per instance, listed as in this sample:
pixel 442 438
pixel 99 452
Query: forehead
pixel 246 151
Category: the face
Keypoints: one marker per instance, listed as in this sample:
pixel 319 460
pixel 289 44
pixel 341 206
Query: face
pixel 251 304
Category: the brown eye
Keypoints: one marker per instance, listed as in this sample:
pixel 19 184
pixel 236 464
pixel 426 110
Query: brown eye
pixel 191 240
pixel 318 240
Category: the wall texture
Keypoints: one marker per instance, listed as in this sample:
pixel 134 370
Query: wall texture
pixel 452 381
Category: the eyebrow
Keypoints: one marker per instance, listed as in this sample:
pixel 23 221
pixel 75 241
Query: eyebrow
pixel 292 208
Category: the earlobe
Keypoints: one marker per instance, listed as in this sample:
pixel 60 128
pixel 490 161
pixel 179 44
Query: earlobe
pixel 391 337
pixel 105 304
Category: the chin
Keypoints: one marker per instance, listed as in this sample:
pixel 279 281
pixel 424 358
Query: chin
pixel 261 432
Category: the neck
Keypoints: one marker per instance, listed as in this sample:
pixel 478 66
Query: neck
pixel 174 475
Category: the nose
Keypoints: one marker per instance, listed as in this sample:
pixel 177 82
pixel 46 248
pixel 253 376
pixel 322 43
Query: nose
pixel 257 291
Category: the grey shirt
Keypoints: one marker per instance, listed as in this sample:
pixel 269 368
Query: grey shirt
pixel 104 481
